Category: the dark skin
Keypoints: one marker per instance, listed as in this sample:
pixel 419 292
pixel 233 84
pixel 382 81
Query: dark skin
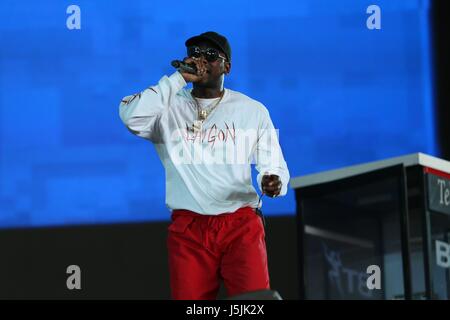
pixel 271 185
pixel 208 84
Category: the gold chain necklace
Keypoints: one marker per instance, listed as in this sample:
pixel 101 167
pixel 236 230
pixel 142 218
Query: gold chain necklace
pixel 203 114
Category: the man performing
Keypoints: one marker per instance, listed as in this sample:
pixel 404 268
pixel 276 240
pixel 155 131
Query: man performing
pixel 216 232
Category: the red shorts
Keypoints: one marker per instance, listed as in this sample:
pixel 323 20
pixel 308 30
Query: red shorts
pixel 205 249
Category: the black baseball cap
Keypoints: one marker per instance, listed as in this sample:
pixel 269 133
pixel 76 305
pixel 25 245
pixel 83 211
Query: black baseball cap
pixel 219 40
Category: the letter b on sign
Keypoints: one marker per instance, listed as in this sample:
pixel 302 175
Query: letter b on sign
pixel 442 254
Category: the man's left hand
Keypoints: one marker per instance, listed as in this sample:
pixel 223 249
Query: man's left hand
pixel 271 185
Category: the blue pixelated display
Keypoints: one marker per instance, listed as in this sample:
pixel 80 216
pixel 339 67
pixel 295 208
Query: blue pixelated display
pixel 340 94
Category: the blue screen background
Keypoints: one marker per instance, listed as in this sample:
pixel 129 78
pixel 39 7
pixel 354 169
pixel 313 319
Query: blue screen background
pixel 339 93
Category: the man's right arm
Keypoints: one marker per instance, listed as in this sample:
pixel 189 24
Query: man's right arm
pixel 141 112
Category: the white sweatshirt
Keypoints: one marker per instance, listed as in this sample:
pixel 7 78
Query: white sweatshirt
pixel 207 171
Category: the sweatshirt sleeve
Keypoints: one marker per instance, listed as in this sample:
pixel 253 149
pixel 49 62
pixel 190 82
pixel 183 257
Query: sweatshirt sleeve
pixel 141 112
pixel 269 157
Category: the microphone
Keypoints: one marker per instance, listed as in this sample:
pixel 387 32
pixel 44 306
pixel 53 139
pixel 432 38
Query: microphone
pixel 184 67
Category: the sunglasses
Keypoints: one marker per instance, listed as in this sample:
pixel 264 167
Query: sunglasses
pixel 210 54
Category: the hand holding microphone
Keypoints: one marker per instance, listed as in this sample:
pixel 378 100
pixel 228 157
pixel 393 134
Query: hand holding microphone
pixel 271 185
pixel 192 69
